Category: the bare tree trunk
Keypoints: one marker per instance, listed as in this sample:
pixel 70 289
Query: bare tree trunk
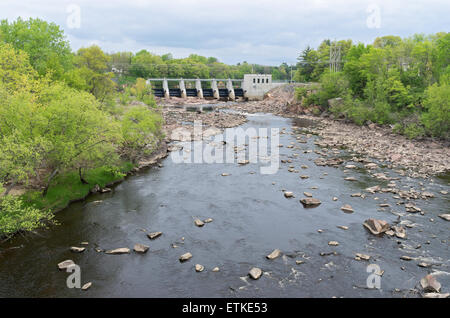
pixel 52 176
pixel 83 181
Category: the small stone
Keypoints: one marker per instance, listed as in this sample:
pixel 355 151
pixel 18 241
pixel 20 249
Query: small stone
pixel 216 269
pixel 225 174
pixel 208 220
pixel 347 208
pixel 185 257
pixel 343 227
pixel 333 243
pixel 86 286
pixel 304 177
pixel 350 179
pixel 255 273
pixel 154 235
pixel 356 195
pixel 118 251
pixel 424 265
pixel 406 258
pixel 310 202
pixel 335 199
pixel 199 268
pixel 288 194
pixel 276 253
pixel 77 249
pixel 445 217
pixel 66 264
pixel 199 222
pixel 141 248
pixel 430 284
pixel 308 194
pixel 299 262
pixel 364 257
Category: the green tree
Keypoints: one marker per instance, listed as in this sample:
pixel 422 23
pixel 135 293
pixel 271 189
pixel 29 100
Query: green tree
pixel 44 43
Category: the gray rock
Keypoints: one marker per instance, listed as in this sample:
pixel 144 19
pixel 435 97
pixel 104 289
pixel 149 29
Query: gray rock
pixel 430 284
pixel 347 208
pixel 310 202
pixel 255 273
pixel 77 249
pixel 185 257
pixel 276 253
pixel 140 248
pixel 66 264
pixel 154 235
pixel 118 251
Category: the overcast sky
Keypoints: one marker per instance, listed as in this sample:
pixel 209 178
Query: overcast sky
pixel 257 31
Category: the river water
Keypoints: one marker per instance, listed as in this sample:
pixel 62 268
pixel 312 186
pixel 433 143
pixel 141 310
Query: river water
pixel 251 218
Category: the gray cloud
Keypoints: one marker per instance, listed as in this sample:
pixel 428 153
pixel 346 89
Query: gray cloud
pixel 258 31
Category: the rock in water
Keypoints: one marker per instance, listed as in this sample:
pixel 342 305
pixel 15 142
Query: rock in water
pixel 360 256
pixel 64 265
pixel 445 217
pixel 118 251
pixel 430 284
pixel 276 253
pixel 199 268
pixel 347 208
pixel 216 269
pixel 208 220
pixel 310 202
pixel 141 248
pixel 154 235
pixel 288 194
pixel 376 227
pixel 185 257
pixel 308 194
pixel 333 243
pixel 86 286
pixel 255 273
pixel 77 249
pixel 199 222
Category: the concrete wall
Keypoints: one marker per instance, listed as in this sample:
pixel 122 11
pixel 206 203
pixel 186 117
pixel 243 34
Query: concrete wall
pixel 256 85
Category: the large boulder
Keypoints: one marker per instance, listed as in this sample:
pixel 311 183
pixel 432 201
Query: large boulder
pixel 310 202
pixel 376 227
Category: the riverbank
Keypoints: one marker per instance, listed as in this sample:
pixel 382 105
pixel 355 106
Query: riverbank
pixel 416 157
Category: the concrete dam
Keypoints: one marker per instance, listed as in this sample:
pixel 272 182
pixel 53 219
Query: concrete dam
pixel 252 87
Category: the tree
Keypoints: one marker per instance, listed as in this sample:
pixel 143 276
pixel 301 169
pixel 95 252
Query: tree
pixel 44 42
pixel 91 73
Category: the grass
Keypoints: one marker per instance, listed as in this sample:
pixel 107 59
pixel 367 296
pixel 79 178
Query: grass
pixel 67 188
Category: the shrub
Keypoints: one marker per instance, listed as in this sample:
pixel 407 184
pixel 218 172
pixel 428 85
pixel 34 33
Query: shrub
pixel 16 216
pixel 436 119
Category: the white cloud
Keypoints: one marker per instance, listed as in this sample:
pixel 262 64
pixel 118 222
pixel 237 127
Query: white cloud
pixel 259 31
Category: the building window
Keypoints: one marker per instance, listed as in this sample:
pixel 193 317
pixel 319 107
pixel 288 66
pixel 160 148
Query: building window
pixel 258 80
pixel 267 80
pixel 254 80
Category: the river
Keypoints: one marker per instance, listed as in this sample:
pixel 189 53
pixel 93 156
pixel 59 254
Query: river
pixel 251 218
